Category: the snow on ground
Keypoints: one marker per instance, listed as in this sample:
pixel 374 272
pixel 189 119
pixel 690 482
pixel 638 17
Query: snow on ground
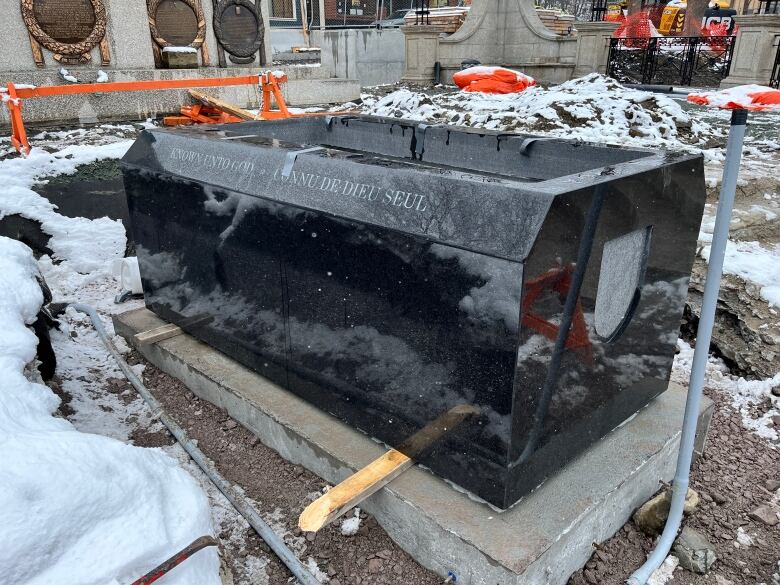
pixel 593 108
pixel 78 507
pixel 85 245
pixel 746 396
pixel 757 262
pixel 753 262
pixel 665 572
pixel 351 524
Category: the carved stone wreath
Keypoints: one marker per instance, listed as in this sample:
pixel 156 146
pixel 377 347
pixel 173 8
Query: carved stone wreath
pixel 79 49
pixel 195 6
pixel 242 51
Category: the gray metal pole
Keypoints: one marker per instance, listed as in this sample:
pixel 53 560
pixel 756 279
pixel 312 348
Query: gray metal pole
pixel 701 354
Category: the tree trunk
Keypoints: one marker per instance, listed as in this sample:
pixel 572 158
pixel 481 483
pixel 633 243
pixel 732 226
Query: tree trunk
pixel 694 14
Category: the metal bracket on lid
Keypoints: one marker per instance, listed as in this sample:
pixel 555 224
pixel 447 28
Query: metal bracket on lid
pixel 419 134
pixel 528 142
pixel 291 156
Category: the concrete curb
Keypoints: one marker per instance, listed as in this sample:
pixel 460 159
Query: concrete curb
pixel 540 540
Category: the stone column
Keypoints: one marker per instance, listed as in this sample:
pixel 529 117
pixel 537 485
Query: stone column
pixel 592 47
pixel 422 49
pixel 266 57
pixel 755 49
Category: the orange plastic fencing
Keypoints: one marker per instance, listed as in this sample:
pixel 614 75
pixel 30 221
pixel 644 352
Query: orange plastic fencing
pixel 14 95
pixel 636 27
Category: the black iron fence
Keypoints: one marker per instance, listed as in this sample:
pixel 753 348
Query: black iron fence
pixel 422 12
pixel 775 81
pixel 769 6
pixel 351 13
pixel 598 10
pixel 696 61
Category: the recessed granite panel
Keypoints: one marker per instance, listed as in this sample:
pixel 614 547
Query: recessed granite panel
pixel 388 272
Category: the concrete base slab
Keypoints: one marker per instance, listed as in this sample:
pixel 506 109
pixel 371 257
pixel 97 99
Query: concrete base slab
pixel 540 540
pixel 307 86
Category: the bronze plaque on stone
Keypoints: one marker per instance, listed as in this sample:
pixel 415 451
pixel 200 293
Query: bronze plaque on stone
pixel 68 28
pixel 66 21
pixel 239 25
pixel 238 28
pixel 176 22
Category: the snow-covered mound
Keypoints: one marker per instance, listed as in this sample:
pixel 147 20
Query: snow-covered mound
pixel 78 508
pixel 85 245
pixel 591 108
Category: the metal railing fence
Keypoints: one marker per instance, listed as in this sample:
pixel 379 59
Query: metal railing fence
pixel 696 61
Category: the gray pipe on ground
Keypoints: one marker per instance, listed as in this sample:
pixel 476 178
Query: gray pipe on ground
pixel 239 502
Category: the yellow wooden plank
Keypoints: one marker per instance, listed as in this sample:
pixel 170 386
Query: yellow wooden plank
pixel 222 105
pixel 380 472
pixel 353 490
pixel 157 334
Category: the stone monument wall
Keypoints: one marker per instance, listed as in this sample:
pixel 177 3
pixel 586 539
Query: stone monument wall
pixel 127 53
pixel 496 32
pixel 127 34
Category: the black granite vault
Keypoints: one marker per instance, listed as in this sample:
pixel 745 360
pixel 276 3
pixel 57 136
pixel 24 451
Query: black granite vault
pixel 388 271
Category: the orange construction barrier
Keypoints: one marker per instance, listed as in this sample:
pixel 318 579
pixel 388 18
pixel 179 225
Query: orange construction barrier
pixel 742 97
pixel 14 96
pixel 200 114
pixel 216 111
pixel 269 83
pixel 636 29
pixel 492 80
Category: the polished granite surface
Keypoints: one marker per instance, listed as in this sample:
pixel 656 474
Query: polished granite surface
pixel 389 272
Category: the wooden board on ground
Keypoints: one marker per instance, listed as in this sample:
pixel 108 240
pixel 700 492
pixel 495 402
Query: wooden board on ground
pixel 222 105
pixel 157 334
pixel 380 472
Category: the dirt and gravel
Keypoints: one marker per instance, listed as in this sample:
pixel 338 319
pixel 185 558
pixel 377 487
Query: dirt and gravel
pixel 737 473
pixel 280 491
pixel 731 478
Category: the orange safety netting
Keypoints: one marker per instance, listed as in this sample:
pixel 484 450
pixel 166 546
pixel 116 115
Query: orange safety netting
pixel 715 35
pixel 636 27
pixel 492 80
pixel 743 97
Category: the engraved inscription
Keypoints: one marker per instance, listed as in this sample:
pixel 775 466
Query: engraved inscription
pixel 66 21
pixel 176 22
pixel 212 162
pixel 381 194
pixel 242 170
